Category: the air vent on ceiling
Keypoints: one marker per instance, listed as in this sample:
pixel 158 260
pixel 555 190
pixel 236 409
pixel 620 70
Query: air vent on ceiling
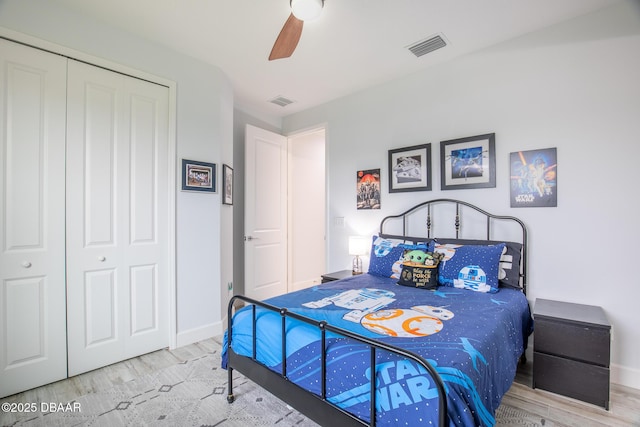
pixel 281 101
pixel 426 46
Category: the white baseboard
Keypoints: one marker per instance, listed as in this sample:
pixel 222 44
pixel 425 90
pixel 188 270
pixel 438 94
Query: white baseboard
pixel 199 334
pixel 625 376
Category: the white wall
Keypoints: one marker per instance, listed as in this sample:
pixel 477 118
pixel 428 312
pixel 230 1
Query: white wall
pixel 574 86
pixel 204 128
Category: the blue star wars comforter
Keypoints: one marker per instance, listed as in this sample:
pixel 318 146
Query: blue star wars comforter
pixel 473 340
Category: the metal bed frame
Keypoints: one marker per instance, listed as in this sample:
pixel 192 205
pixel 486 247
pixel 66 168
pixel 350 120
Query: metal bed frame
pixel 490 219
pixel 317 407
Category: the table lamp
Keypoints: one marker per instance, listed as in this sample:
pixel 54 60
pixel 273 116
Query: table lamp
pixel 358 246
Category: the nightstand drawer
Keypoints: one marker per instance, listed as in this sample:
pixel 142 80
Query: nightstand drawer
pixel 589 383
pixel 582 342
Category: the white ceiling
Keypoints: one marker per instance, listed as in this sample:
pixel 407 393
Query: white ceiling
pixel 355 44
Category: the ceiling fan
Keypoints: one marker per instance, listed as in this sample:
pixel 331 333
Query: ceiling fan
pixel 301 10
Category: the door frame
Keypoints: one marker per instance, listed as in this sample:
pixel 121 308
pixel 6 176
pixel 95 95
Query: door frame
pixel 291 137
pixel 54 48
pixel 239 215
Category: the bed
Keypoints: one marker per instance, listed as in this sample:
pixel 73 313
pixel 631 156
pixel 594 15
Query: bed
pixel 444 352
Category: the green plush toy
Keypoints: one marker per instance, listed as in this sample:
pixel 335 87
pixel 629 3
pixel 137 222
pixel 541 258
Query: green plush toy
pixel 419 257
pixel 415 257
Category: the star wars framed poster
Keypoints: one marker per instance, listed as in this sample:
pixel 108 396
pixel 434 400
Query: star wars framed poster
pixel 368 189
pixel 468 162
pixel 534 178
pixel 410 169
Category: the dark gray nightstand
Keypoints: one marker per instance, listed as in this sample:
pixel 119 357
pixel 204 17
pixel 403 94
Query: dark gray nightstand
pixel 330 277
pixel 571 350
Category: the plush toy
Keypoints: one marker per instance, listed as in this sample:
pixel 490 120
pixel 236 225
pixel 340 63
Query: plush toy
pixel 415 257
pixel 433 258
pixel 419 269
pixel 419 257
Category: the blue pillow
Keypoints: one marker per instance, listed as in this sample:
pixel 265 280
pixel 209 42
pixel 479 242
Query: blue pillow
pixel 509 274
pixel 386 257
pixel 474 267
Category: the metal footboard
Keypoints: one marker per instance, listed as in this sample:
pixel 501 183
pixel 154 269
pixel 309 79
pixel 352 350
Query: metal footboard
pixel 317 408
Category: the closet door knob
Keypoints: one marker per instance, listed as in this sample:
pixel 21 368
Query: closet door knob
pixel 101 259
pixel 26 264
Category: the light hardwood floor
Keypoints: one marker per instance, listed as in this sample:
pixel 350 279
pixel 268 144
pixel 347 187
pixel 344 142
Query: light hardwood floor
pixel 557 410
pixel 106 378
pixel 554 409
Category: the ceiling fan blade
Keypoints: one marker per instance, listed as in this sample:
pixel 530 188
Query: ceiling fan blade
pixel 287 39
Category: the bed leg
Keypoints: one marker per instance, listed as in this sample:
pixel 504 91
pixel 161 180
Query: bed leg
pixel 230 396
pixel 523 359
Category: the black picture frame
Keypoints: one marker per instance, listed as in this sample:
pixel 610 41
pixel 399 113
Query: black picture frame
pixel 198 176
pixel 468 162
pixel 410 169
pixel 227 185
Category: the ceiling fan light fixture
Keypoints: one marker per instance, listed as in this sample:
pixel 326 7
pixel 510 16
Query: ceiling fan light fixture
pixel 306 10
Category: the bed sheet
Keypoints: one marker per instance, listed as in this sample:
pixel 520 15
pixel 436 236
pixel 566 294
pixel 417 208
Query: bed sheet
pixel 473 339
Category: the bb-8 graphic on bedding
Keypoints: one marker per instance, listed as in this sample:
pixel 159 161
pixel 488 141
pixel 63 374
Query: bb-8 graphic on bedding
pixel 418 321
pixel 366 307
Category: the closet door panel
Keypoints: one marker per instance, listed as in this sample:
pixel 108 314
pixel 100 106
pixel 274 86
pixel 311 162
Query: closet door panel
pixel 116 215
pixel 99 163
pixel 147 234
pixel 32 240
pixel 94 274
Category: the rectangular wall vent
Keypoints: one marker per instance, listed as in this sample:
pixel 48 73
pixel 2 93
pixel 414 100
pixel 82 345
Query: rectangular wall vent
pixel 281 101
pixel 426 46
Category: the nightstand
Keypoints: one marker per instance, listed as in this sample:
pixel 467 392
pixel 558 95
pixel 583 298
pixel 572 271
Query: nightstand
pixel 330 277
pixel 571 350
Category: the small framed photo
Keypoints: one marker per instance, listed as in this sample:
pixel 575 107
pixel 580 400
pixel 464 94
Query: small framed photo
pixel 534 178
pixel 198 176
pixel 468 162
pixel 227 185
pixel 410 169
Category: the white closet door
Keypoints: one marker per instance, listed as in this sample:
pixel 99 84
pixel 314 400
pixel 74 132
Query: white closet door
pixel 32 156
pixel 117 231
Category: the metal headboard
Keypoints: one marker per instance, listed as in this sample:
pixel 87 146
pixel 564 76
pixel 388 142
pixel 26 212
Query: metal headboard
pixel 456 227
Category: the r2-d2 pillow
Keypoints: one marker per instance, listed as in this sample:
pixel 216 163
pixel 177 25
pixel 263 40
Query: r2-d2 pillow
pixel 473 267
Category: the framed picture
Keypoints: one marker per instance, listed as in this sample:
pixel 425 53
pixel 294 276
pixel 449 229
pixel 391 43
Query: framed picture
pixel 198 176
pixel 368 189
pixel 534 178
pixel 227 185
pixel 410 169
pixel 468 162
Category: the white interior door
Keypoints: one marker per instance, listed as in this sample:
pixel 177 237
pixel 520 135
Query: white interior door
pixel 265 213
pixel 117 205
pixel 32 275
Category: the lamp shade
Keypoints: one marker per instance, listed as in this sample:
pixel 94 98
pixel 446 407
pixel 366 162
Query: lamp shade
pixel 306 10
pixel 359 245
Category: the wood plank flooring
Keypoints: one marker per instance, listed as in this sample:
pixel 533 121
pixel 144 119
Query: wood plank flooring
pixel 557 411
pixel 106 378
